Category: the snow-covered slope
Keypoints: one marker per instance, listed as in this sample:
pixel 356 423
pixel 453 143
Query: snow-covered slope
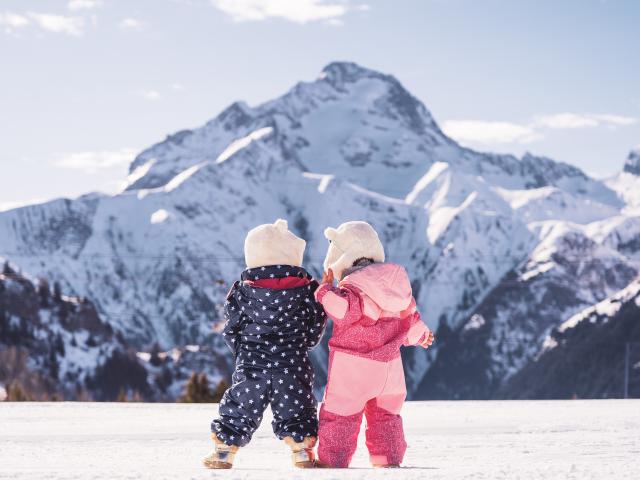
pixel 157 258
pixel 585 356
pixel 56 347
pixel 447 441
pixel 627 183
pixel 53 346
pixel 565 273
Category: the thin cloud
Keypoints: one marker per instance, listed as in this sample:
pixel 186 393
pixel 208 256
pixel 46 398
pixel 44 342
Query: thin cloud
pixel 75 5
pixel 297 11
pixel 130 24
pixel 63 24
pixel 94 162
pixel 490 132
pixel 13 20
pixel 582 120
pixel 151 94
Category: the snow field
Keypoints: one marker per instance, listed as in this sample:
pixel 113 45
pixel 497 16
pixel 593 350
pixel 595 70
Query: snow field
pixel 447 440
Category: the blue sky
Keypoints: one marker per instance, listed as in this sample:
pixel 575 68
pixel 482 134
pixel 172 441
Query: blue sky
pixel 85 84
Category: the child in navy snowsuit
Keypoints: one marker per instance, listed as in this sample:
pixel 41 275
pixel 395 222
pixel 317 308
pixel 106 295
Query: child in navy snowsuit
pixel 272 320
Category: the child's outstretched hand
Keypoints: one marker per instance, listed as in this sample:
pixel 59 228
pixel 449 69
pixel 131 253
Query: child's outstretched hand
pixel 428 341
pixel 327 277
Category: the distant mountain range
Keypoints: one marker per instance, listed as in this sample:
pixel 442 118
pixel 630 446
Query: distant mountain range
pixel 501 250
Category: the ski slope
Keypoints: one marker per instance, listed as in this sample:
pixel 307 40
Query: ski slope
pixel 447 440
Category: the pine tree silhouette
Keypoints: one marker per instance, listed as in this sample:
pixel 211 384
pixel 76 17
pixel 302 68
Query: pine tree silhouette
pixel 197 390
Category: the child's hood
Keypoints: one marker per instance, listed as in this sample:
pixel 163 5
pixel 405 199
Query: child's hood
pixel 276 300
pixel 387 284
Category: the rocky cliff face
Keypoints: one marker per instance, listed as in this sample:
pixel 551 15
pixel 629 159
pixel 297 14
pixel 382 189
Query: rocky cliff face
pixel 585 356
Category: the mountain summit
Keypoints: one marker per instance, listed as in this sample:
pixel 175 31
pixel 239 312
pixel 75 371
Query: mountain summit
pixel 500 249
pixel 632 165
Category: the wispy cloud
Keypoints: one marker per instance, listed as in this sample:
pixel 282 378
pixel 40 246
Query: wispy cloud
pixel 13 20
pixel 64 24
pixel 582 120
pixel 151 94
pixel 489 132
pixel 493 132
pixel 75 5
pixel 94 162
pixel 297 11
pixel 72 25
pixel 130 24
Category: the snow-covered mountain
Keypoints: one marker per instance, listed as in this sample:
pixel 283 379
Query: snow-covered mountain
pixel 57 347
pixel 627 183
pixel 585 356
pixel 491 241
pixel 54 345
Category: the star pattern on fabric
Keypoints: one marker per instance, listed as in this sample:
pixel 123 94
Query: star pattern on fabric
pixel 270 333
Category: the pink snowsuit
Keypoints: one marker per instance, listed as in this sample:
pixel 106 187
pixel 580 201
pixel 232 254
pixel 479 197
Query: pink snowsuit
pixel 373 313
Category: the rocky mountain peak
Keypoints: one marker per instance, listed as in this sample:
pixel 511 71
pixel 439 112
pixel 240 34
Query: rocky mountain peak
pixel 632 165
pixel 348 72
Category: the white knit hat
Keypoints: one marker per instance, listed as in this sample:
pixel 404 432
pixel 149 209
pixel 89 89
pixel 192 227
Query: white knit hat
pixel 349 242
pixel 273 244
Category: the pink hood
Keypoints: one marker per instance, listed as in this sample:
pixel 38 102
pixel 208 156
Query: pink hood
pixel 387 284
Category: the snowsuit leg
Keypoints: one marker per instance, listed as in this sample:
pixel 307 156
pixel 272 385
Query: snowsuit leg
pixel 384 433
pixel 293 404
pixel 354 385
pixel 242 406
pixel 351 382
pixel 338 437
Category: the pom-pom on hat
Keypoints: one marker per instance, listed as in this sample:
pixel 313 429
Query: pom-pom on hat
pixel 273 244
pixel 349 242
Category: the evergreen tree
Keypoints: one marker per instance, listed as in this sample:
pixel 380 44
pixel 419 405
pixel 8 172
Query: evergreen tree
pixel 57 292
pixel 54 366
pixel 218 392
pixel 58 345
pixel 155 359
pixel 122 396
pixel 43 292
pixel 15 393
pixel 197 390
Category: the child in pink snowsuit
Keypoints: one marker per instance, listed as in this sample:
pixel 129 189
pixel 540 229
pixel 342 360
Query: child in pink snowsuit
pixel 373 313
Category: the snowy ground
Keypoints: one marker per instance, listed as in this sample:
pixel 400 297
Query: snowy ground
pixel 560 439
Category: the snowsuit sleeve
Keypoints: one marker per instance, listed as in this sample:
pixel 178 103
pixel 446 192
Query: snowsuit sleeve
pixel 418 332
pixel 317 321
pixel 233 320
pixel 342 305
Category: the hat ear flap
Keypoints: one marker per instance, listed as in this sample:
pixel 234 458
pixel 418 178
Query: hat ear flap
pixel 330 233
pixel 282 224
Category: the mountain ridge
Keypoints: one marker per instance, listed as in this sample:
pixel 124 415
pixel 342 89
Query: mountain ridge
pixel 156 259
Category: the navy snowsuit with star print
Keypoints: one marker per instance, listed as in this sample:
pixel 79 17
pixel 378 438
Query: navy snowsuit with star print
pixel 270 332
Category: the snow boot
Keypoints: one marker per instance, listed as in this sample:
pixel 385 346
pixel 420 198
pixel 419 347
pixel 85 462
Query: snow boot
pixel 222 456
pixel 302 453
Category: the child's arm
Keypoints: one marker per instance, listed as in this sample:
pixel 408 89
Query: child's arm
pixel 340 304
pixel 419 334
pixel 317 322
pixel 232 315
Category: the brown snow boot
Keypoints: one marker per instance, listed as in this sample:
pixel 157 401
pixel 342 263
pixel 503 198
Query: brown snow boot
pixel 302 453
pixel 222 456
